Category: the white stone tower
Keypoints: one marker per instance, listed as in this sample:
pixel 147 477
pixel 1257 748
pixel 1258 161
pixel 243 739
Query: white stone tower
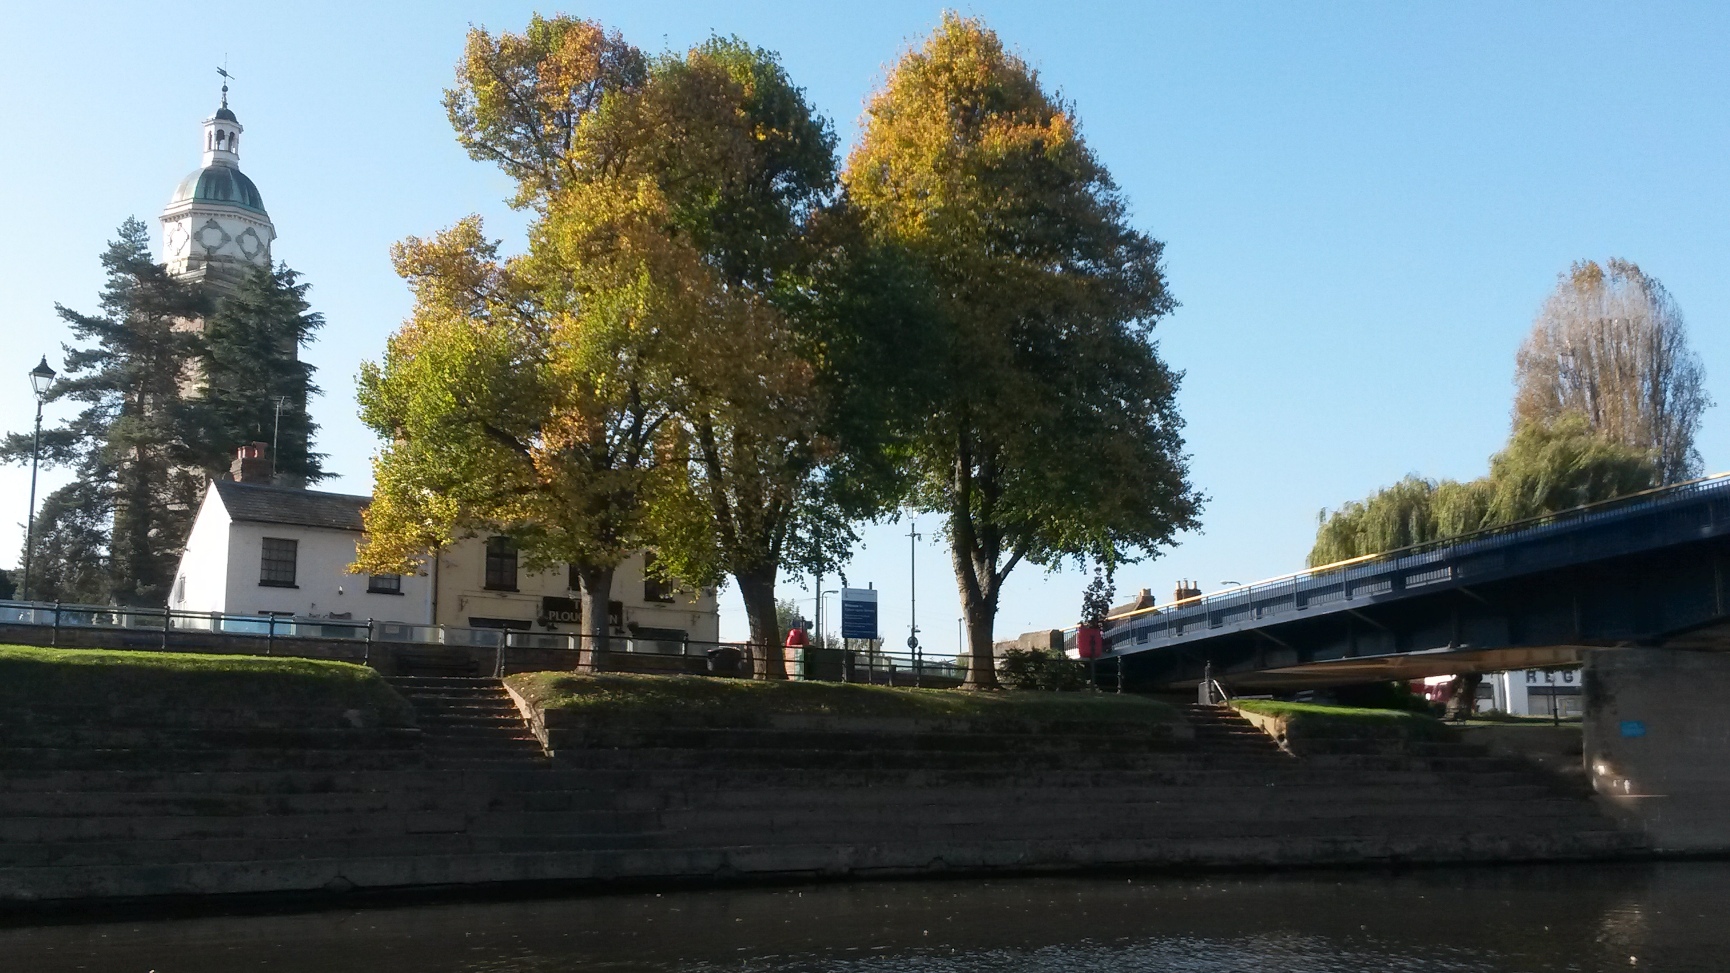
pixel 215 227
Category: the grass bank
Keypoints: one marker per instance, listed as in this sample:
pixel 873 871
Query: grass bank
pixel 174 682
pixel 1314 720
pixel 622 697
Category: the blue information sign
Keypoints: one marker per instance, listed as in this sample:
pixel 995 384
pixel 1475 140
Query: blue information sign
pixel 1633 728
pixel 858 613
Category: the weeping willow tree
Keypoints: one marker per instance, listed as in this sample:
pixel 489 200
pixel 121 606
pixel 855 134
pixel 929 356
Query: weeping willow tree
pixel 1546 467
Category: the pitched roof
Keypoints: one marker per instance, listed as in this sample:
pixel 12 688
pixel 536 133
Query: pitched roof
pixel 259 504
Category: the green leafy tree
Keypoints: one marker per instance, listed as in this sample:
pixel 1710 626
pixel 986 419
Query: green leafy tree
pixel 786 615
pixel 523 396
pixel 1053 432
pixel 1545 468
pixel 1096 600
pixel 507 410
pixel 729 164
pixel 254 386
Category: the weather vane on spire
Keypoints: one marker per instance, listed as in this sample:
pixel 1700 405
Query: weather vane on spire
pixel 226 78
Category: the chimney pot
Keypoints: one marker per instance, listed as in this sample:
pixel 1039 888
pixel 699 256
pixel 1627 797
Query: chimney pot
pixel 250 464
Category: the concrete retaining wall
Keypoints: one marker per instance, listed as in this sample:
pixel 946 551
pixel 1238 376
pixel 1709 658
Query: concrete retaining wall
pixel 101 814
pixel 1657 742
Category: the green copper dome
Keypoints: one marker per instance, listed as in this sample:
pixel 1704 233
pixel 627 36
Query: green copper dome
pixel 220 184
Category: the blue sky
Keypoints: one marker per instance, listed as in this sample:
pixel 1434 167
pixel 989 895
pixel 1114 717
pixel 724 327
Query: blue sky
pixel 1363 206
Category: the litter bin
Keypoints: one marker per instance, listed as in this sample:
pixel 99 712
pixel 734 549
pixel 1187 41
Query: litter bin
pixel 725 660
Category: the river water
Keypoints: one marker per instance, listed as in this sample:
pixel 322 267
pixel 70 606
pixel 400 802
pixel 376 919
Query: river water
pixel 1534 919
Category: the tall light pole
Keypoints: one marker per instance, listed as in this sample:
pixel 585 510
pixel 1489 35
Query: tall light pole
pixel 41 380
pixel 913 537
pixel 822 602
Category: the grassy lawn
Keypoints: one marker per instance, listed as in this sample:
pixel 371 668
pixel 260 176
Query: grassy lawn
pixel 635 698
pixel 171 681
pixel 1314 719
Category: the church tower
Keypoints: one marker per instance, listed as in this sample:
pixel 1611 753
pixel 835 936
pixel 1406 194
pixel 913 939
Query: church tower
pixel 215 227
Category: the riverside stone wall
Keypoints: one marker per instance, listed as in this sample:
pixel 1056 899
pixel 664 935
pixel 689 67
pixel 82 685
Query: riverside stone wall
pixel 112 811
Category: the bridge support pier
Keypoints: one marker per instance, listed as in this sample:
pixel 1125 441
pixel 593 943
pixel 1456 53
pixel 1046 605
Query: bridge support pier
pixel 1657 742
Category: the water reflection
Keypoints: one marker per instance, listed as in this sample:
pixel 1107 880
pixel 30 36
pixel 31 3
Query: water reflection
pixel 1528 919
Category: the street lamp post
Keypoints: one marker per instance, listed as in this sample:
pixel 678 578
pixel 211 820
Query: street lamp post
pixel 823 604
pixel 913 537
pixel 41 380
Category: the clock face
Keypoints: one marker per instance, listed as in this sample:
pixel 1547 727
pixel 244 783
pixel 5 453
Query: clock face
pixel 174 240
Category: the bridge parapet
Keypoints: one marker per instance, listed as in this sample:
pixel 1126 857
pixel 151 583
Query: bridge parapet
pixel 1643 522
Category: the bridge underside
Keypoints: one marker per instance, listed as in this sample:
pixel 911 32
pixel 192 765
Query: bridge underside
pixel 1674 598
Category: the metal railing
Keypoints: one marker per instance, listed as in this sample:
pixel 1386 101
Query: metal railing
pixel 1415 567
pixel 276 634
pixel 876 665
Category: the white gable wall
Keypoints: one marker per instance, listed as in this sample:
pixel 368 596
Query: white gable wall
pixel 201 585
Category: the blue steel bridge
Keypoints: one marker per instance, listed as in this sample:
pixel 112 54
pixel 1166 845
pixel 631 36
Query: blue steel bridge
pixel 1647 570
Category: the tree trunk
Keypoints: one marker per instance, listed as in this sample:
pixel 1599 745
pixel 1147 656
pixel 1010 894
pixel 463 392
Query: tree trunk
pixel 981 657
pixel 979 608
pixel 597 590
pixel 758 590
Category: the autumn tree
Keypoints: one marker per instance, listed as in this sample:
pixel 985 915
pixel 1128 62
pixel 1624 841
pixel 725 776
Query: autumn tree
pixel 1054 433
pixel 521 99
pixel 528 396
pixel 694 289
pixel 1610 344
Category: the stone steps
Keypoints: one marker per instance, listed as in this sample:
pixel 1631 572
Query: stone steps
pixel 468 722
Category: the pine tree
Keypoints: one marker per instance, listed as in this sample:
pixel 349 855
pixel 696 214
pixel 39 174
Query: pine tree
pixel 164 405
pixel 71 537
pixel 254 387
pixel 126 446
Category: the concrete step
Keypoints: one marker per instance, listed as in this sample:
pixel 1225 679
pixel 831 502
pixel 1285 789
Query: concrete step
pixel 774 758
pixel 15 759
pixel 274 850
pixel 22 830
pixel 252 738
pixel 1305 815
pixel 1010 744
pixel 281 781
pixel 217 804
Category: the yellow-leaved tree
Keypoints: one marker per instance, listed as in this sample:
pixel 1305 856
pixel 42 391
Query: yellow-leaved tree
pixel 1053 431
pixel 525 396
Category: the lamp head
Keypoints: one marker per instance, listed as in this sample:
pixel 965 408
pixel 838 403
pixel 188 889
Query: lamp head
pixel 42 377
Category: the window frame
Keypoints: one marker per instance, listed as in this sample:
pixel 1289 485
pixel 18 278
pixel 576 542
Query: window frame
pixel 266 561
pixel 373 586
pixel 499 551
